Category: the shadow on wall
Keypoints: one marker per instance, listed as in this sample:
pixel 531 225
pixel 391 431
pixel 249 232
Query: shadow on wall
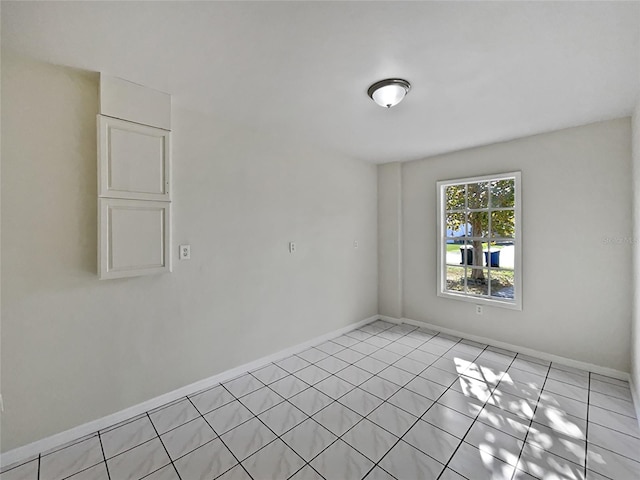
pixel 49 173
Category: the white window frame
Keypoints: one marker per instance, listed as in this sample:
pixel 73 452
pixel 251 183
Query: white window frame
pixel 516 303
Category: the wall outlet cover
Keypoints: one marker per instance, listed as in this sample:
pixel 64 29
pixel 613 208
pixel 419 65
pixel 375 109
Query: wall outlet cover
pixel 185 252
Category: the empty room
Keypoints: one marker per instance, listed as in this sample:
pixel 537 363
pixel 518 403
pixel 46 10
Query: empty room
pixel 320 240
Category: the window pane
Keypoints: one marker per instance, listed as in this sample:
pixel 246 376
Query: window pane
pixel 478 194
pixel 472 252
pixel 503 224
pixel 455 279
pixel 492 255
pixel 466 254
pixel 503 193
pixel 488 255
pixel 479 224
pixel 505 257
pixel 456 226
pixel 455 252
pixel 478 281
pixel 455 197
pixel 502 284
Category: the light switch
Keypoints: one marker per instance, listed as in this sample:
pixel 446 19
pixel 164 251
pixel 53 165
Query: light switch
pixel 185 252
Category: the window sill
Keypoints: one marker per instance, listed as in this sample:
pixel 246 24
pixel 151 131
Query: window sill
pixel 515 305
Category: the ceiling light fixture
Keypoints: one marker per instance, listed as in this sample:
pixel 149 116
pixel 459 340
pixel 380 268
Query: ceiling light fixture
pixel 389 92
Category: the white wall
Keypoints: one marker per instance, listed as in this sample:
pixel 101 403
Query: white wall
pixel 390 239
pixel 576 195
pixel 75 348
pixel 635 330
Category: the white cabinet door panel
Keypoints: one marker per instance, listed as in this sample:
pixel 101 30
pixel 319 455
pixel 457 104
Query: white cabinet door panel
pixel 134 237
pixel 133 160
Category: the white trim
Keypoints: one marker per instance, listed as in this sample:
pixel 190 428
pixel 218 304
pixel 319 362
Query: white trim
pixel 635 396
pixel 463 297
pixel 611 372
pixel 27 451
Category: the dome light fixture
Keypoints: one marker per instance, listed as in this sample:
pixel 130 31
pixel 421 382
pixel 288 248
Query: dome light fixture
pixel 389 92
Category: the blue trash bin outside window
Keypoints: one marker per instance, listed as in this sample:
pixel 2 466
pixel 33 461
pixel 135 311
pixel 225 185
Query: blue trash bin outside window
pixel 495 258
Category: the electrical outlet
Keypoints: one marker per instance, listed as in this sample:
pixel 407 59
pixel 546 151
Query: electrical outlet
pixel 292 247
pixel 355 244
pixel 185 252
pixel 479 309
pixel 1 404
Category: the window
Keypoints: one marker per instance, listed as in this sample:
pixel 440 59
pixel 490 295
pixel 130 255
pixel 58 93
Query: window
pixel 479 244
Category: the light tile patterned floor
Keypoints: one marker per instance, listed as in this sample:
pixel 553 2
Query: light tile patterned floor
pixel 382 402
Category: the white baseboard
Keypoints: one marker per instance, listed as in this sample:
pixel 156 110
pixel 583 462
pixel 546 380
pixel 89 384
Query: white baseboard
pixel 635 395
pixel 28 451
pixel 610 372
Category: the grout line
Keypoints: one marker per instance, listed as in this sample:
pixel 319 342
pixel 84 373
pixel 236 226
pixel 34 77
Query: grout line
pixel 510 366
pixel 163 445
pixel 377 464
pixel 104 456
pixel 586 447
pixel 220 436
pixel 613 396
pixel 55 450
pixel 278 437
pixel 586 432
pixel 477 415
pixel 138 417
pixel 613 451
pixel 613 411
pixel 132 419
pixel 444 392
pixel 524 440
pixel 340 437
pixel 617 431
pixel 611 383
pixel 310 417
pixel 78 472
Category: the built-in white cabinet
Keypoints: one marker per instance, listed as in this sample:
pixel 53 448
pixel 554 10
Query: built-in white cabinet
pixel 134 180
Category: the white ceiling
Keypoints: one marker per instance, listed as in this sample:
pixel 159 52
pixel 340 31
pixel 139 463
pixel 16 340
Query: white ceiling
pixel 481 72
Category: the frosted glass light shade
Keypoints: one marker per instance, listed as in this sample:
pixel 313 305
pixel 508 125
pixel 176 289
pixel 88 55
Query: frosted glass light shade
pixel 390 92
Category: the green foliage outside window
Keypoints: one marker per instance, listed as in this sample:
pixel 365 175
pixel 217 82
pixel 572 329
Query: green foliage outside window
pixel 484 211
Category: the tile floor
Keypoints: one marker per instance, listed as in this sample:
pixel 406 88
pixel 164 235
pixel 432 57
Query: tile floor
pixel 382 402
